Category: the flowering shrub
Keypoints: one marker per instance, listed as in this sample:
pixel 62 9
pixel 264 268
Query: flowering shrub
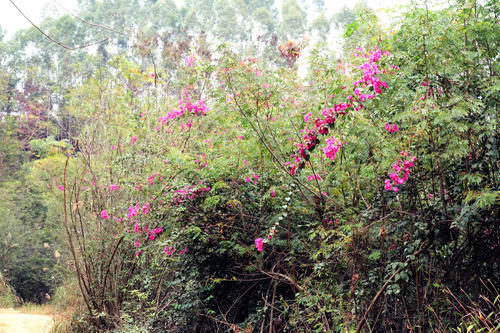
pixel 369 81
pixel 277 208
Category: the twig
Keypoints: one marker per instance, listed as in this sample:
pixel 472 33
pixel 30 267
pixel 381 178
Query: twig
pixel 380 292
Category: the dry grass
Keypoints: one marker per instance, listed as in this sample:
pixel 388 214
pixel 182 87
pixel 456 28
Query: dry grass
pixel 476 315
pixel 8 298
pixel 66 302
pixel 32 308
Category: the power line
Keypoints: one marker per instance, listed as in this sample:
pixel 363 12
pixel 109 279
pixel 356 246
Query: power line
pixel 52 39
pixel 89 23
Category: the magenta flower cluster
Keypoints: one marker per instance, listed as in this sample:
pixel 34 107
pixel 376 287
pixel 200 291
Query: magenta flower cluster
pixel 399 166
pixel 152 177
pixel 391 128
pixel 259 244
pixel 104 214
pixel 198 108
pixel 189 60
pixel 332 147
pixel 369 82
pixel 252 178
pixel 189 192
pixel 310 178
pixel 169 250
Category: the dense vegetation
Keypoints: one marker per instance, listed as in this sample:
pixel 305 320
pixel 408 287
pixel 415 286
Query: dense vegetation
pixel 193 173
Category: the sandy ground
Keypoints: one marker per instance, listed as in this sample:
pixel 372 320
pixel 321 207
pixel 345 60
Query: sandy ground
pixel 12 321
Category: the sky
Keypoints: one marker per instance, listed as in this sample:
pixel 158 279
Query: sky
pixel 11 20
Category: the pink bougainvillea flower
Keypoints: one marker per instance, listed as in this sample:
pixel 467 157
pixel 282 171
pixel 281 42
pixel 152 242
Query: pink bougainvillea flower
pixel 60 188
pixel 332 147
pixel 408 164
pixel 313 177
pixel 391 128
pixel 145 209
pixel 259 244
pixel 113 187
pixel 104 214
pixel 157 231
pixel 396 167
pixel 189 60
pixel 399 166
pixel 132 211
pixel 394 177
pixel 185 107
pixel 254 176
pixel 306 117
pixel 152 178
pixel 169 250
pixel 134 139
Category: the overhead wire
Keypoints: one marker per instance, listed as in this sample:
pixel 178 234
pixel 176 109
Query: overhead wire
pixel 51 38
pixel 61 44
pixel 87 22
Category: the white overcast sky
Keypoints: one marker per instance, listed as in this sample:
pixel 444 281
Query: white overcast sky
pixel 11 20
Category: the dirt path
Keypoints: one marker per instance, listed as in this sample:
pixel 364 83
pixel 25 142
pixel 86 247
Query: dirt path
pixel 14 321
